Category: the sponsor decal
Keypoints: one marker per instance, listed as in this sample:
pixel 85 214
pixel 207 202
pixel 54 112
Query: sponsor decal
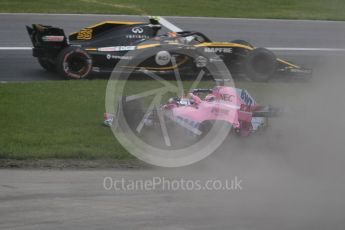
pixel 137 30
pixel 96 69
pixel 163 57
pixel 84 34
pixel 53 38
pixel 220 111
pixel 218 50
pixel 137 36
pixel 246 98
pixel 245 108
pixel 300 71
pixel 226 97
pixel 116 48
pixel 109 57
pixel 185 121
pixel 200 61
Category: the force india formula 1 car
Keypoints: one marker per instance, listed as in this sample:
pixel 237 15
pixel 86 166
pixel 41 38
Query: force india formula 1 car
pixel 98 48
pixel 236 107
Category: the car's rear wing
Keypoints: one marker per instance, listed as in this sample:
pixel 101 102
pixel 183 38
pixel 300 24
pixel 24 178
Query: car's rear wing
pixel 46 40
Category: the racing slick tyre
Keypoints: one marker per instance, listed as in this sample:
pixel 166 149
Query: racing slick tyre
pixel 260 64
pixel 206 126
pixel 133 112
pixel 74 63
pixel 243 42
pixel 47 64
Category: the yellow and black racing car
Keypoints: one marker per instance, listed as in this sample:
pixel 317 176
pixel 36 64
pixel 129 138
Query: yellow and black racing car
pixel 99 48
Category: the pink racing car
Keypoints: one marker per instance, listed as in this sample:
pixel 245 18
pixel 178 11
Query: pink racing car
pixel 200 109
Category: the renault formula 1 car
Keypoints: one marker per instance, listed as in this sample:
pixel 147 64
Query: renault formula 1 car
pixel 197 112
pixel 94 48
pixel 100 47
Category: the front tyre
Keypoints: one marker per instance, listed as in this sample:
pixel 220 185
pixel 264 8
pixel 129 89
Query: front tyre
pixel 74 63
pixel 260 65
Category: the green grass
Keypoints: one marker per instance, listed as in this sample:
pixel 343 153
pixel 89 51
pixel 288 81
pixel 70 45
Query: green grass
pixel 55 120
pixel 63 119
pixel 58 119
pixel 289 9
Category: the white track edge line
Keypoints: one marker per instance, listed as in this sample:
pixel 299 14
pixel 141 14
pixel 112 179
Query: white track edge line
pixel 169 25
pixel 303 49
pixel 172 16
pixel 15 48
pixel 270 48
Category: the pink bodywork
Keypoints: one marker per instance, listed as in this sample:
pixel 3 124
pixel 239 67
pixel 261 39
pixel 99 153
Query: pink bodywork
pixel 224 103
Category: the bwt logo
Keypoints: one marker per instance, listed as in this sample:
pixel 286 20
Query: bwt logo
pixel 246 98
pixel 137 30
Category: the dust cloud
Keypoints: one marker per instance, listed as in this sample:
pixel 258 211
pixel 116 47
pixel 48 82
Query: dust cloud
pixel 292 175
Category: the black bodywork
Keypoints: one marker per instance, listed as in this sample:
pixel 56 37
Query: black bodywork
pixel 50 42
pixel 98 48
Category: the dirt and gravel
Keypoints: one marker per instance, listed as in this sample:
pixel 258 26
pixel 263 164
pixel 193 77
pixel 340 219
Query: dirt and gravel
pixel 73 164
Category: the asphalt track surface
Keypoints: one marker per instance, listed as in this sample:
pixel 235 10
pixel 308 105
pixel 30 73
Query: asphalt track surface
pixel 77 199
pixel 293 176
pixel 18 65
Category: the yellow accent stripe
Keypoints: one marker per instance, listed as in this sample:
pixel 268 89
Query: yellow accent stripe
pixel 109 22
pixel 227 44
pixel 288 63
pixel 91 49
pixel 138 47
pixel 114 22
pixel 147 46
pixel 162 68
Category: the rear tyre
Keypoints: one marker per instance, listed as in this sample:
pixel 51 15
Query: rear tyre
pixel 243 42
pixel 133 112
pixel 47 64
pixel 260 64
pixel 205 128
pixel 74 63
pixel 213 125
